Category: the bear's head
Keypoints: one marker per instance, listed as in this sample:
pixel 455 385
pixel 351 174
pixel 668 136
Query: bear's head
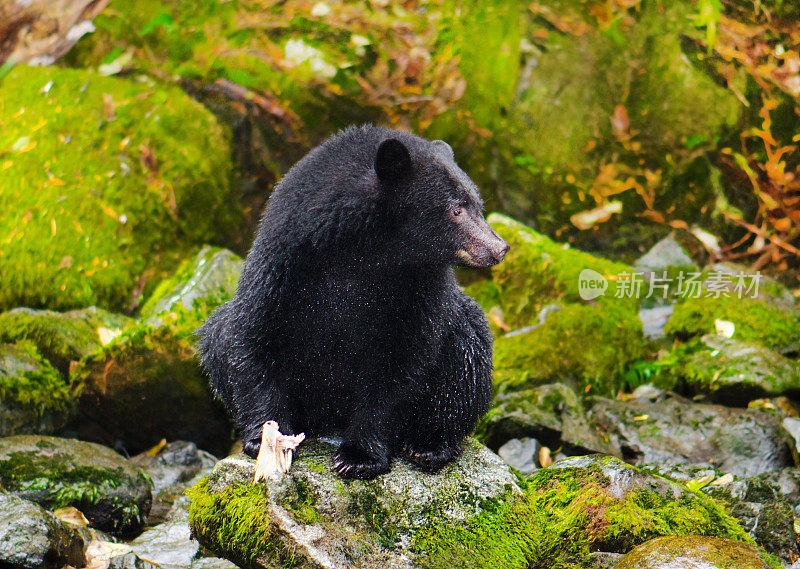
pixel 436 209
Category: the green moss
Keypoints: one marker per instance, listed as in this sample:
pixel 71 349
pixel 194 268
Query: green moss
pixel 755 320
pixel 28 381
pixel 104 182
pixel 60 337
pixel 539 271
pixel 236 522
pixel 564 515
pixel 55 482
pixel 367 506
pixel 609 339
pixel 200 284
pixel 302 503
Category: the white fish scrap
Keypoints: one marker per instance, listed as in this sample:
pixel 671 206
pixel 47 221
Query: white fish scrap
pixel 275 454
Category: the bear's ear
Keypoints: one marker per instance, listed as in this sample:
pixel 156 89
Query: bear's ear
pixel 392 161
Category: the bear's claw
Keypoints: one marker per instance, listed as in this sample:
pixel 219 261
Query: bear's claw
pixel 251 448
pixel 352 462
pixel 429 460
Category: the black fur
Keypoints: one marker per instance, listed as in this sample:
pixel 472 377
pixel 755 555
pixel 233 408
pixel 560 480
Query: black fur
pixel 348 319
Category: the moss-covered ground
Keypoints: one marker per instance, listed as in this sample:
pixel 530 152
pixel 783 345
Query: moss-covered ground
pixel 562 337
pixel 563 516
pixel 104 182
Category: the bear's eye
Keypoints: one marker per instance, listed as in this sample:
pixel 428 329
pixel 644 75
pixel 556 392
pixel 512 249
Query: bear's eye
pixel 457 211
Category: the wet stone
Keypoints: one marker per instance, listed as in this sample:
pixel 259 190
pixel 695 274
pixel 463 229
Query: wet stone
pixel 114 495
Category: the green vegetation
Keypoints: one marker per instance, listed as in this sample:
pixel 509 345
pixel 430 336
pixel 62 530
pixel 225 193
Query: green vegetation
pixel 29 382
pixel 755 320
pixel 563 516
pixel 237 522
pixel 105 182
pixel 61 338
pixel 537 286
pixel 609 339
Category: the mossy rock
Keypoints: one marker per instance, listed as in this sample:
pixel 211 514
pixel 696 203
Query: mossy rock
pixel 569 510
pixel 310 517
pixel 687 552
pixel 53 472
pixel 206 280
pixel 555 150
pixel 587 346
pixel 105 181
pixel 552 414
pixel 34 396
pixel 61 337
pixel 734 371
pixel 538 271
pixel 147 384
pixel 744 442
pixel 763 511
pixel 536 308
pixel 756 320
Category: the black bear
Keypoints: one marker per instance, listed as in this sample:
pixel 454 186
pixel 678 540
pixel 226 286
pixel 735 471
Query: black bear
pixel 348 319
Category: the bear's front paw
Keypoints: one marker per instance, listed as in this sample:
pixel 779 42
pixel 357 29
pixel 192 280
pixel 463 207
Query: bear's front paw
pixel 251 447
pixel 430 460
pixel 353 462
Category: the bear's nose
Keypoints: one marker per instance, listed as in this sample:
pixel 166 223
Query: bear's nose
pixel 499 249
pixel 506 247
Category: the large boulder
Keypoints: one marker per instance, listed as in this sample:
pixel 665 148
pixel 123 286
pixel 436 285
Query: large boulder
pixel 312 518
pixel 147 384
pixel 734 371
pixel 105 181
pixel 114 495
pixel 570 511
pixel 540 308
pixel 744 442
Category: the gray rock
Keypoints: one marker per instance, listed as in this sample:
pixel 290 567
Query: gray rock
pixel 521 454
pixel 733 371
pixel 33 538
pixel 666 253
pixel 319 520
pixel 114 495
pixel 744 442
pixel 654 319
pixel 693 552
pixel 130 561
pixel 169 544
pixel 177 463
pixel 168 540
pixel 552 414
